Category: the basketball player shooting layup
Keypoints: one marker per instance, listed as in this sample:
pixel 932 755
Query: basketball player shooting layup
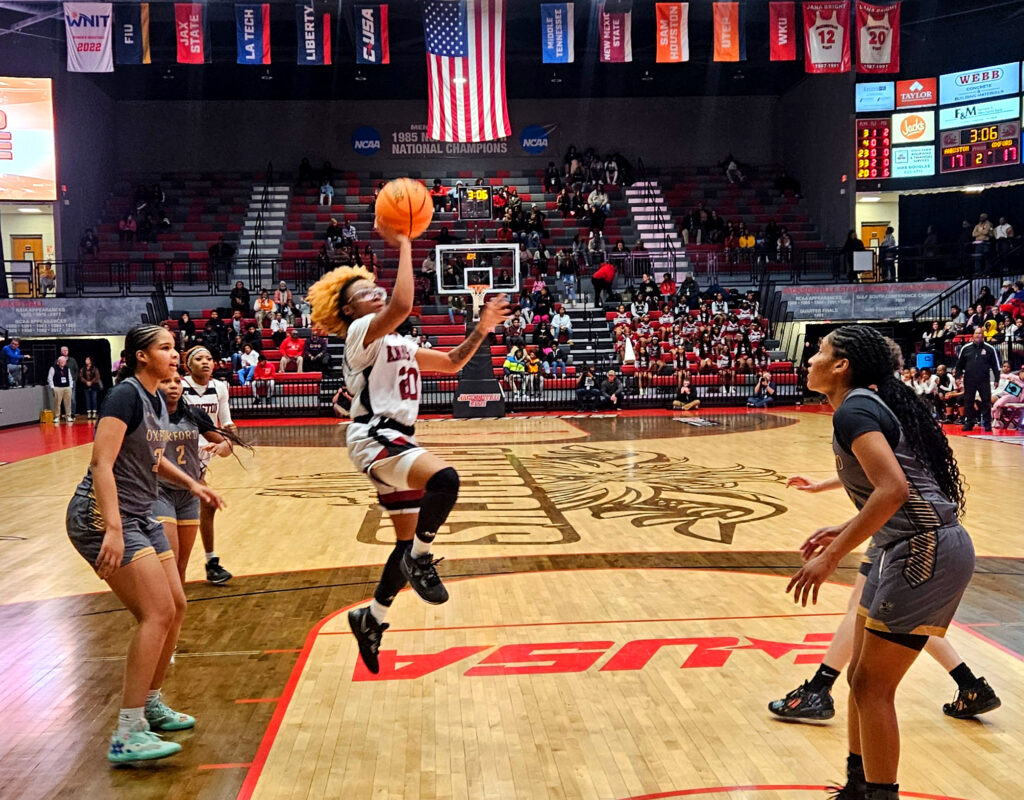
pixel 382 372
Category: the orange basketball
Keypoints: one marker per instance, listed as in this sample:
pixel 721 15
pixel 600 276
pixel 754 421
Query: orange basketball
pixel 404 205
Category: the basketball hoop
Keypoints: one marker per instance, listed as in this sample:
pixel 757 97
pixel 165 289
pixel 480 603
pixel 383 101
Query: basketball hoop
pixel 478 290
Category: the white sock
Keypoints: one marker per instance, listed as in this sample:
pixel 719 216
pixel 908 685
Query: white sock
pixel 152 697
pixel 211 555
pixel 131 719
pixel 378 611
pixel 420 547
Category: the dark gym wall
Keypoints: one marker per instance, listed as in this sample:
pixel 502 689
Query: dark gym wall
pixel 946 211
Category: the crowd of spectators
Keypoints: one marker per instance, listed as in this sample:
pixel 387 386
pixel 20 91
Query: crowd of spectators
pixel 146 217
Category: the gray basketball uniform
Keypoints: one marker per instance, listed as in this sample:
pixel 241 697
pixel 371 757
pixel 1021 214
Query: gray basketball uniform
pixel 175 503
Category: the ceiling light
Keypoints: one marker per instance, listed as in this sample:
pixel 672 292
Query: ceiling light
pixel 266 76
pixel 973 189
pixel 869 198
pixel 30 210
pixel 555 78
pixel 168 75
pixel 647 76
pixel 360 76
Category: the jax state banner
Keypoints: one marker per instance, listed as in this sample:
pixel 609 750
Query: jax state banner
pixel 313 27
pixel 131 34
pixel 730 44
pixel 672 22
pixel 878 37
pixel 558 44
pixel 88 27
pixel 827 37
pixel 252 32
pixel 192 33
pixel 616 34
pixel 782 31
pixel 372 27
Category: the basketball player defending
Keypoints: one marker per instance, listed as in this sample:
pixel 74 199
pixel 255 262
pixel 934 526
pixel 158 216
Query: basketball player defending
pixel 382 372
pixel 201 390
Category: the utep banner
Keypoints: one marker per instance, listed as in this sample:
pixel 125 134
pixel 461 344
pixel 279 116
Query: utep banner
pixel 878 33
pixel 252 32
pixel 556 33
pixel 372 27
pixel 192 33
pixel 673 32
pixel 616 35
pixel 313 27
pixel 827 37
pixel 782 31
pixel 730 44
pixel 88 27
pixel 131 34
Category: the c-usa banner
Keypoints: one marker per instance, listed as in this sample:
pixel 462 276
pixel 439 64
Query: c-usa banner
pixel 372 30
pixel 131 34
pixel 89 27
pixel 252 32
pixel 556 32
pixel 313 28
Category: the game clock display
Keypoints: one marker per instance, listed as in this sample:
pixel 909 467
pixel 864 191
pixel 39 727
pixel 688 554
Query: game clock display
pixel 475 202
pixel 874 148
pixel 982 146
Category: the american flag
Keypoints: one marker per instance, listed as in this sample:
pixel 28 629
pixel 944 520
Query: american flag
pixel 466 70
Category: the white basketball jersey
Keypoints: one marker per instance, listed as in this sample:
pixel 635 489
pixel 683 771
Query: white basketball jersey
pixel 213 399
pixel 876 40
pixel 826 35
pixel 382 377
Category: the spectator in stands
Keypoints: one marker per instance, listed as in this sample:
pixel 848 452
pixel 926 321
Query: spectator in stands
pixel 595 248
pixel 932 338
pixel 292 350
pixel 853 244
pixel 438 195
pixel 253 338
pixel 976 321
pixel 543 305
pixel 685 399
pixel 15 360
pixel 279 329
pixel 285 302
pixel 146 228
pixel 612 391
pixel 327 172
pixel 515 332
pixel 221 254
pixel 236 324
pixel 611 171
pixel 47 280
pixel 1003 395
pixel 240 300
pixel 376 191
pixel 568 273
pixel 887 254
pixel 926 386
pixel 237 349
pixel 746 242
pixel 764 391
pixel 668 287
pixel 598 207
pixel 264 309
pixel 1002 234
pixel 126 228
pixel 514 370
pixel 587 391
pixel 732 170
pixel 157 196
pixel 719 306
pixel 784 247
pixel 316 356
pixel 985 298
pixel 89 245
pixel 534 381
pixel 306 175
pixel 649 291
pixel 263 380
pixel 216 336
pixel 453 194
pixel 561 323
pixel 602 280
pixel 186 331
pixel 62 386
pixel 981 236
pixel 92 383
pixel 543 337
pixel 786 185
pixel 552 179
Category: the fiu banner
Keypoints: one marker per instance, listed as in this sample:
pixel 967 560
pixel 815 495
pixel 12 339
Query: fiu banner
pixel 372 25
pixel 782 31
pixel 313 27
pixel 878 36
pixel 616 36
pixel 729 41
pixel 252 33
pixel 556 33
pixel 192 33
pixel 673 32
pixel 131 34
pixel 827 37
pixel 88 27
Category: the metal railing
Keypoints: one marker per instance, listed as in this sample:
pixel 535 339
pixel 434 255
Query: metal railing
pixel 257 235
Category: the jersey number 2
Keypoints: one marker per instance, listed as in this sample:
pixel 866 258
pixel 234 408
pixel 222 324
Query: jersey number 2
pixel 409 383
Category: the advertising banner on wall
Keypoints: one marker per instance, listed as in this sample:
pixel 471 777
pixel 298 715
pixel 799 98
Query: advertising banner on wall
pixel 412 141
pixel 978 84
pixel 27 165
pixel 90 43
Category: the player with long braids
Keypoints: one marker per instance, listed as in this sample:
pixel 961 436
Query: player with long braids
pixel 382 373
pixel 895 463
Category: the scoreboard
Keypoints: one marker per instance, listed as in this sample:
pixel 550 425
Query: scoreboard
pixel 874 148
pixel 475 202
pixel 996 145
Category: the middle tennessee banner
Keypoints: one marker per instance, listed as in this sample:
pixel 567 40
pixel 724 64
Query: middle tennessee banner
pixel 556 33
pixel 673 32
pixel 782 31
pixel 372 24
pixel 313 27
pixel 729 41
pixel 616 36
pixel 878 34
pixel 192 33
pixel 827 37
pixel 252 32
pixel 131 34
pixel 88 27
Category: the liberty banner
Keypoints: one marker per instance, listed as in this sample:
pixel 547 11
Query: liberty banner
pixel 782 31
pixel 827 37
pixel 729 40
pixel 878 36
pixel 556 33
pixel 616 36
pixel 252 32
pixel 673 32
pixel 88 27
pixel 192 33
pixel 313 30
pixel 131 34
pixel 372 29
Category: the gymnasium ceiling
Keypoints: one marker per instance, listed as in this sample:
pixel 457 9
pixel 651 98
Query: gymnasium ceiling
pixel 938 36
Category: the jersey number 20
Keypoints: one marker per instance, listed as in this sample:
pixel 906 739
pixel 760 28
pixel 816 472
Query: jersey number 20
pixel 409 383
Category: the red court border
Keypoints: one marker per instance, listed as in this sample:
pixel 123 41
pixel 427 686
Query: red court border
pixel 766 788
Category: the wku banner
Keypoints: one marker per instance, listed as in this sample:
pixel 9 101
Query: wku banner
pixel 556 33
pixel 878 36
pixel 252 33
pixel 313 26
pixel 673 32
pixel 192 33
pixel 88 27
pixel 827 37
pixel 616 35
pixel 372 27
pixel 131 34
pixel 729 41
pixel 783 30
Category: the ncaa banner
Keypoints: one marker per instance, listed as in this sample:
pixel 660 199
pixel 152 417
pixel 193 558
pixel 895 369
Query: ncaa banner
pixel 878 36
pixel 131 34
pixel 673 32
pixel 616 35
pixel 192 33
pixel 313 26
pixel 252 33
pixel 372 24
pixel 556 32
pixel 782 31
pixel 730 44
pixel 89 29
pixel 827 37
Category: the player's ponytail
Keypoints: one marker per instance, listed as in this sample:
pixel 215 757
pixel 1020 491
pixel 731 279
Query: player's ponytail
pixel 328 296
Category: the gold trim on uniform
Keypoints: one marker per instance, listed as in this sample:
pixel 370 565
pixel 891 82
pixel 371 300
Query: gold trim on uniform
pixel 920 563
pixel 166 555
pixel 920 630
pixel 145 551
pixel 920 512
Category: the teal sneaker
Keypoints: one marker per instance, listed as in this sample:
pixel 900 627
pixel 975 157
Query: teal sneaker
pixel 139 746
pixel 163 718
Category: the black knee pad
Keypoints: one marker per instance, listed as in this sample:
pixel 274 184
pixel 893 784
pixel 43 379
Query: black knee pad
pixel 445 481
pixel 442 490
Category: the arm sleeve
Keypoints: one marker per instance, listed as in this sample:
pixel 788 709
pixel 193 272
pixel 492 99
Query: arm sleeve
pixel 359 357
pixel 223 409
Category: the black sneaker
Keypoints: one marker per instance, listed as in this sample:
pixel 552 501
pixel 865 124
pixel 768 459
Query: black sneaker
pixel 979 699
pixel 423 578
pixel 847 792
pixel 804 703
pixel 215 573
pixel 368 633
